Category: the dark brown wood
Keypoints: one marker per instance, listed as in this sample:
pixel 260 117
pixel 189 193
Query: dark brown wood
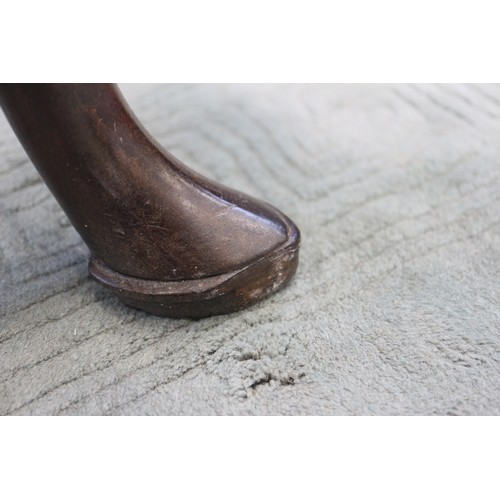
pixel 163 238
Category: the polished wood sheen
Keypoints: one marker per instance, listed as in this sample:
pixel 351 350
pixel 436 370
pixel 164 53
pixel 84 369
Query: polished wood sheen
pixel 163 238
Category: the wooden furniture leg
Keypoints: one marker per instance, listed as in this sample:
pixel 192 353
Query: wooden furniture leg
pixel 162 237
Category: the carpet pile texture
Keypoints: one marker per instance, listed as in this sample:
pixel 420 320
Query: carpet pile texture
pixel 395 309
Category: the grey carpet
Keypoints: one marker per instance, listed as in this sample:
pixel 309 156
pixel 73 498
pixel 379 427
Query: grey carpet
pixel 395 308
